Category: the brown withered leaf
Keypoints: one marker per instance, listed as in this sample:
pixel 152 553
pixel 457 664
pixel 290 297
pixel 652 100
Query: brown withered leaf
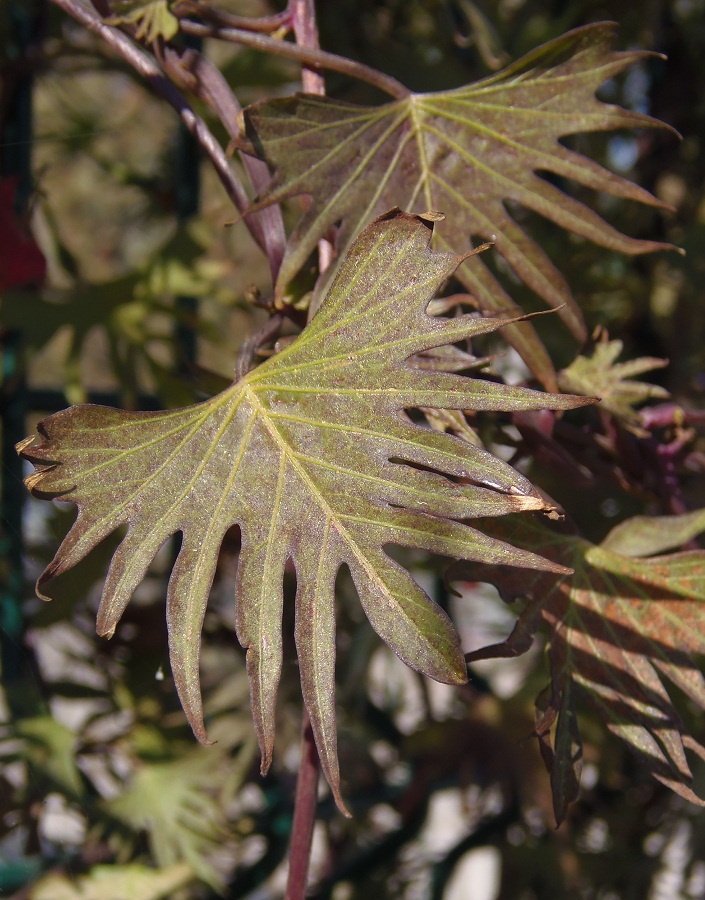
pixel 313 455
pixel 618 628
pixel 466 151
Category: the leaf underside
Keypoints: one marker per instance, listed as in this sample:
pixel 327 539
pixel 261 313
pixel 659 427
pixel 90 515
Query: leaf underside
pixel 619 627
pixel 466 151
pixel 314 456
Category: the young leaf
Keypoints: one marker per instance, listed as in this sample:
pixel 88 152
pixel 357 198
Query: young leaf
pixel 314 457
pixel 600 375
pixel 618 627
pixel 171 801
pixel 153 18
pixel 466 151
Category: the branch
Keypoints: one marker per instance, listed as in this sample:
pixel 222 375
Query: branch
pixel 303 20
pixel 308 56
pixel 196 74
pixel 276 22
pixel 148 69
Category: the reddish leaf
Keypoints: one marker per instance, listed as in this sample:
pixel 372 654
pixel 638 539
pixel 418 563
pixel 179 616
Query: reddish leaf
pixel 313 455
pixel 466 151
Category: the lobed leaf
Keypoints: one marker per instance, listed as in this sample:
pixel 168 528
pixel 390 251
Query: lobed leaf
pixel 314 456
pixel 152 19
pixel 619 627
pixel 467 151
pixel 600 375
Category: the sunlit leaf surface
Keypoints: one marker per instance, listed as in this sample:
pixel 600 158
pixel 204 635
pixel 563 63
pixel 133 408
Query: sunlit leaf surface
pixel 153 18
pixel 619 628
pixel 314 456
pixel 468 152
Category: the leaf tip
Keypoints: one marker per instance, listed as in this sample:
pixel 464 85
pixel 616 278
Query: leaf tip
pixel 342 808
pixel 25 443
pixel 265 763
pixel 431 216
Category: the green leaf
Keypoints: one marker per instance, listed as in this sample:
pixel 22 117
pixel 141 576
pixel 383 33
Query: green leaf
pixel 125 307
pixel 153 18
pixel 173 803
pixel 315 458
pixel 114 882
pixel 600 375
pixel 466 151
pixel 49 748
pixel 618 628
pixel 646 535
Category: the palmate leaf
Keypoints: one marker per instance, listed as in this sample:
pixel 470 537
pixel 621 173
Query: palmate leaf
pixel 314 457
pixel 172 801
pixel 600 375
pixel 466 151
pixel 153 18
pixel 618 627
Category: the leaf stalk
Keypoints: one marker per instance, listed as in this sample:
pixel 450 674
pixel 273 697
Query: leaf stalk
pixel 304 814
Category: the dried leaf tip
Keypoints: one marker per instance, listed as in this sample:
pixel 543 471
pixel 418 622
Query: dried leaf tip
pixel 25 443
pixel 431 216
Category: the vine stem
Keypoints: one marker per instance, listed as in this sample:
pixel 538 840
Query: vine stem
pixel 307 56
pixel 150 71
pixel 303 22
pixel 252 344
pixel 304 814
pixel 277 22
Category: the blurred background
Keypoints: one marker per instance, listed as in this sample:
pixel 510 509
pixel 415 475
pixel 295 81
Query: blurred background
pixel 122 283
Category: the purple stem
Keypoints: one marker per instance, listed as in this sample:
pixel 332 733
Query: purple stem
pixel 304 815
pixel 309 56
pixel 208 83
pixel 153 75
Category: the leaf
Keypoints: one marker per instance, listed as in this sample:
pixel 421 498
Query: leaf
pixel 468 152
pixel 172 802
pixel 600 375
pixel 314 457
pixel 646 535
pixel 153 18
pixel 50 748
pixel 618 628
pixel 124 306
pixel 114 882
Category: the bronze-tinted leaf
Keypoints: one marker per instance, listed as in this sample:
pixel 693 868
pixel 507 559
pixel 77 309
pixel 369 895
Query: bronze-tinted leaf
pixel 619 627
pixel 315 458
pixel 466 151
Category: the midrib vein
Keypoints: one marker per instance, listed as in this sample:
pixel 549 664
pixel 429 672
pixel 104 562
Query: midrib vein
pixel 330 514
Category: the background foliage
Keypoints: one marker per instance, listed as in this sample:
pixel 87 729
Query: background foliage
pixel 99 767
